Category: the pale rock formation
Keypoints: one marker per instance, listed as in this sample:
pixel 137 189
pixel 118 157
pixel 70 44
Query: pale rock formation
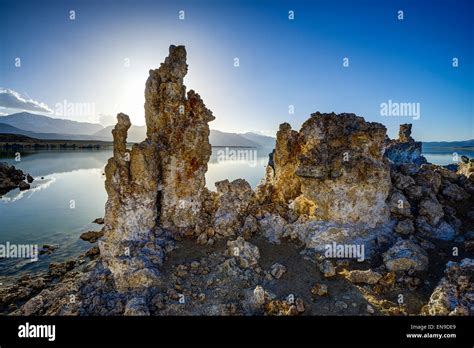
pixel 234 199
pixel 466 167
pixel 332 169
pixel 273 227
pixel 367 277
pixel 246 253
pixel 454 294
pixel 405 149
pixel 178 124
pixel 405 255
pixel 160 181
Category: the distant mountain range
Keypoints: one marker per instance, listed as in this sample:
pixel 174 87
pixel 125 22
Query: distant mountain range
pixel 44 127
pixel 465 143
pixel 44 124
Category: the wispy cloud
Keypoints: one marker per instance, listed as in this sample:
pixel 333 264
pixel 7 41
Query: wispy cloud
pixel 11 99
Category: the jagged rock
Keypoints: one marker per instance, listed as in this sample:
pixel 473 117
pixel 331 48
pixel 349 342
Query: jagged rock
pixel 246 253
pixel 327 268
pixel 286 184
pixel 48 249
pixel 11 178
pixel 414 192
pixel 401 181
pixel 319 290
pixel 336 162
pixel 405 227
pixel 404 133
pixel 442 231
pixel 405 149
pixel 257 298
pixel 93 252
pixel 454 193
pixel 273 227
pixel 399 205
pixel 404 256
pixel 447 174
pixel 23 185
pixel 99 221
pixel 136 307
pixel 178 123
pixel 33 306
pixel 250 227
pixel 367 277
pixel 428 178
pixel 160 181
pixel 432 210
pixel 454 294
pixel 91 236
pixel 277 270
pixel 466 168
pixel 233 200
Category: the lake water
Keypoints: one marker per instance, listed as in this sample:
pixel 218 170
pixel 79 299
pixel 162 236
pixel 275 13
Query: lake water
pixel 63 204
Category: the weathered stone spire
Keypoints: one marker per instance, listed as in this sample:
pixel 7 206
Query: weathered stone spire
pixel 160 182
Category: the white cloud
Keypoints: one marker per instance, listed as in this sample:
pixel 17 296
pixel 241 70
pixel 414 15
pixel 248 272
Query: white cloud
pixel 13 100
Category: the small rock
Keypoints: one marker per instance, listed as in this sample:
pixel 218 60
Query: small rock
pixel 91 236
pixel 136 307
pixel 405 227
pixel 299 305
pixel 47 249
pixel 247 254
pixel 93 252
pixel 366 277
pixel 405 255
pixel 327 268
pixel 202 239
pixel 99 221
pixel 319 290
pixel 277 270
pixel 258 298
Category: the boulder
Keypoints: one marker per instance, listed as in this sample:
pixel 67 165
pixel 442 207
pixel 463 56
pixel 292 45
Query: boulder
pixel 246 253
pixel 404 256
pixel 233 200
pixel 91 236
pixel 367 277
pixel 454 295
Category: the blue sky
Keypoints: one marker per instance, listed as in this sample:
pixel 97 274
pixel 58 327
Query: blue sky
pixel 282 62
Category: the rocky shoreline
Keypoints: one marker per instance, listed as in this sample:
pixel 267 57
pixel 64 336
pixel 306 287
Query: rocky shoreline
pixel 345 222
pixel 12 178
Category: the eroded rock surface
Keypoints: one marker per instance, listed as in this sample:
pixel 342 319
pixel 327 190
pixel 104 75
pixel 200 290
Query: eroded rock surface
pixel 333 169
pixel 160 181
pixel 405 149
